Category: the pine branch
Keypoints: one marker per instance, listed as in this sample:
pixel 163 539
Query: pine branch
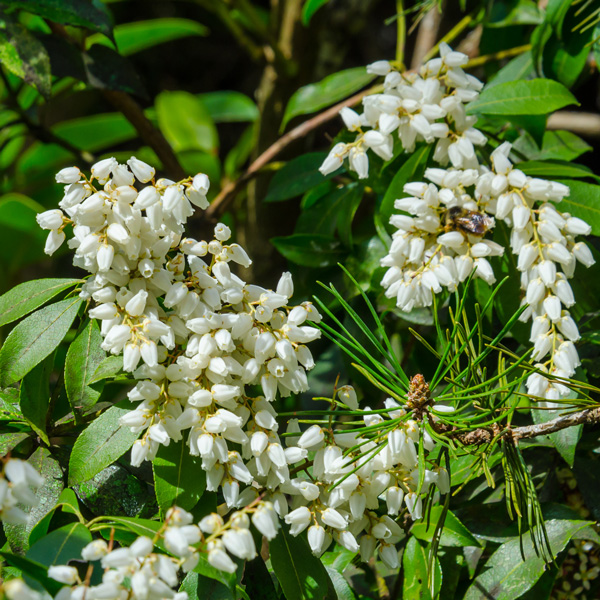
pixel 484 436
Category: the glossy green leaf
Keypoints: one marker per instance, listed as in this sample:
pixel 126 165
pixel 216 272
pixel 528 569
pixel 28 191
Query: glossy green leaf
pixel 520 67
pixel 33 570
pixel 8 441
pixel 140 35
pixel 297 176
pixel 229 107
pixel 36 337
pixel 333 211
pixel 454 532
pixel 108 70
pixel 199 161
pixel 506 575
pixel 178 476
pixel 117 492
pixel 411 170
pixel 100 444
pixel 345 216
pixel 28 296
pixel 35 397
pixel 416 579
pixel 534 97
pixel 565 441
pixel 68 503
pixel 61 545
pixel 83 358
pixel 140 527
pixel 96 132
pixel 240 153
pixel 310 8
pixel 309 250
pixel 557 145
pixel 301 574
pixel 90 14
pixel 48 494
pixel 565 52
pixel 108 368
pixel 341 586
pixel 583 202
pixel 553 169
pixel 201 587
pixel 185 122
pixel 328 91
pixel 31 63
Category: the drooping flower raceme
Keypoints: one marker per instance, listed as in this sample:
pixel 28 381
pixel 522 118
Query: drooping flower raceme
pixel 443 230
pixel 191 331
pixel 425 106
pixel 196 337
pixel 443 241
pixel 137 572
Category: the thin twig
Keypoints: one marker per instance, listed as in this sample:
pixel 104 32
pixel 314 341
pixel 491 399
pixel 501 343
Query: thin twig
pixel 484 435
pixel 229 191
pixel 583 123
pixel 426 35
pixel 502 54
pixel 400 32
pixel 590 415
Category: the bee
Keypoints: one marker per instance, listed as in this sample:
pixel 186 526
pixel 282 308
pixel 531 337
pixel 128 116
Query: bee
pixel 466 221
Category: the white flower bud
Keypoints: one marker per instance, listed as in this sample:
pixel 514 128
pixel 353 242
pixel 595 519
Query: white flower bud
pixel 50 219
pixel 68 175
pixel 141 170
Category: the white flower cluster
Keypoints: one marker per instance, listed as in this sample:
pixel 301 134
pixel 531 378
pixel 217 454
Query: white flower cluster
pixel 441 242
pixel 202 334
pixel 18 483
pixel 203 337
pixel 136 572
pixel 426 106
pixel 353 474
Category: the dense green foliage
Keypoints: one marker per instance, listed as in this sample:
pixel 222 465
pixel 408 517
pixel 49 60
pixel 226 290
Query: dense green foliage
pixel 237 90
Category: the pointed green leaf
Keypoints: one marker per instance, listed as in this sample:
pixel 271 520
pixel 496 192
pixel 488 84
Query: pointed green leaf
pixel 310 8
pixel 328 91
pixel 454 532
pixel 411 170
pixel 28 296
pixel 35 397
pixel 34 67
pixel 34 570
pixel 534 97
pixel 229 106
pixel 416 578
pixel 100 444
pixel 301 574
pixel 309 250
pixel 506 575
pixel 91 14
pixel 140 35
pixel 297 176
pixel 83 358
pixel 185 122
pixel 34 338
pixel 178 476
pixel 61 545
